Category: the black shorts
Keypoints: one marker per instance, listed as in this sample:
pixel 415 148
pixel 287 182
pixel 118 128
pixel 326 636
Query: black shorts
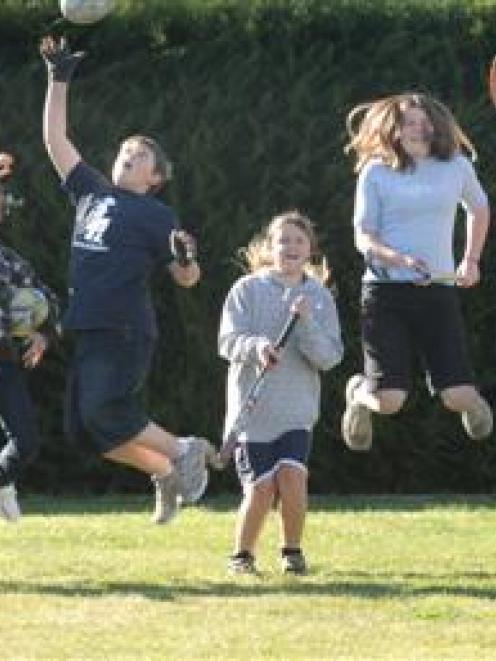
pixel 401 320
pixel 104 390
pixel 256 462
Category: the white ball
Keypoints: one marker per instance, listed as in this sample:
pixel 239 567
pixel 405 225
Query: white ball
pixel 85 12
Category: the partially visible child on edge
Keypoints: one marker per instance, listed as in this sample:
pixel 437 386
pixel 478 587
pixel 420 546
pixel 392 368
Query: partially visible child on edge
pixel 272 454
pixel 18 424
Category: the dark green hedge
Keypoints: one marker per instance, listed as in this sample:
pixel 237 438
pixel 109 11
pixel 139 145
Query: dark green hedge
pixel 250 100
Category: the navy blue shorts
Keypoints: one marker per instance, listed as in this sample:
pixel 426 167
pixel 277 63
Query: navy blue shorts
pixel 258 461
pixel 104 391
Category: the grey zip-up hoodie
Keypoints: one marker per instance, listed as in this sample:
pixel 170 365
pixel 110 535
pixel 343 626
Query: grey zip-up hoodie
pixel 255 311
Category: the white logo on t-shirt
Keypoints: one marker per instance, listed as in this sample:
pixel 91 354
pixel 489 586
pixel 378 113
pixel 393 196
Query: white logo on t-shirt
pixel 92 222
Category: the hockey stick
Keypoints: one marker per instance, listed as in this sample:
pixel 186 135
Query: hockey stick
pixel 225 453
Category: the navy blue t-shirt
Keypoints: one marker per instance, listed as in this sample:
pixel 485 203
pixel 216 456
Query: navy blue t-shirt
pixel 118 239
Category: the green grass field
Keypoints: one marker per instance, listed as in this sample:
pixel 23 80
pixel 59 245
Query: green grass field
pixel 390 578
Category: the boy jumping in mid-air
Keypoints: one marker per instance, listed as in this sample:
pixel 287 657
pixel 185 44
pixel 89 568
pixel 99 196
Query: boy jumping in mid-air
pixel 121 233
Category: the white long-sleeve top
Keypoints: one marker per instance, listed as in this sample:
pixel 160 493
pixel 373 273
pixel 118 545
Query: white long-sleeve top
pixel 255 310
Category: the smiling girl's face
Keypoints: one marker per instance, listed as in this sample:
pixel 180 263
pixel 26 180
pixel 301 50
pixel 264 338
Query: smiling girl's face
pixel 416 133
pixel 291 250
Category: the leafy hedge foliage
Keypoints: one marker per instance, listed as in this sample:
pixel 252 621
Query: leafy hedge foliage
pixel 250 100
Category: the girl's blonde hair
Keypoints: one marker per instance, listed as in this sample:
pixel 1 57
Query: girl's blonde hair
pixel 377 133
pixel 258 254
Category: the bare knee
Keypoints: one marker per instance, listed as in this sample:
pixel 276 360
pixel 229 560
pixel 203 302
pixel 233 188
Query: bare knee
pixel 292 485
pixel 289 476
pixel 390 401
pixel 459 398
pixel 260 494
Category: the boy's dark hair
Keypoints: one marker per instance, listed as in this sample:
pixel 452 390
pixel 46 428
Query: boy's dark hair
pixel 163 164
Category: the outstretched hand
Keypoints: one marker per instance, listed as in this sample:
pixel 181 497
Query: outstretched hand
pixel 59 59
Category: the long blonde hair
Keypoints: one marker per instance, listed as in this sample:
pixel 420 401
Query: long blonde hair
pixel 258 254
pixel 377 134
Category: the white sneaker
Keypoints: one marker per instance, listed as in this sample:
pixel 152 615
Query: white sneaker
pixel 166 496
pixel 356 425
pixel 9 507
pixel 192 469
pixel 478 421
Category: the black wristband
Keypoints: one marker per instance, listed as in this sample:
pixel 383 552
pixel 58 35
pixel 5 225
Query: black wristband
pixel 62 70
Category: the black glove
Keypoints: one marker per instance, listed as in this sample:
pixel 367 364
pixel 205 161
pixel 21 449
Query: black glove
pixel 182 248
pixel 59 60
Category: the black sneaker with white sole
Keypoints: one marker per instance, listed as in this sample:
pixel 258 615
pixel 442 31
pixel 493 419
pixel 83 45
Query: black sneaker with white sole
pixel 242 563
pixel 293 562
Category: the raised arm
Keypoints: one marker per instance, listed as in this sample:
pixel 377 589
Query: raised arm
pixel 60 65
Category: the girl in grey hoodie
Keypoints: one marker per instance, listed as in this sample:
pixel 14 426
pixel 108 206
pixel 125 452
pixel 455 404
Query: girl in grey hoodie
pixel 275 439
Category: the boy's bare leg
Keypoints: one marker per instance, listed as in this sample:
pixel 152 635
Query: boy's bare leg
pixel 157 465
pixel 189 456
pixel 160 440
pixel 141 457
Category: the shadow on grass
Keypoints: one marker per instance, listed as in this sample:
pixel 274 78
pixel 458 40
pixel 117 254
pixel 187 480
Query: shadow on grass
pixel 67 505
pixel 359 584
